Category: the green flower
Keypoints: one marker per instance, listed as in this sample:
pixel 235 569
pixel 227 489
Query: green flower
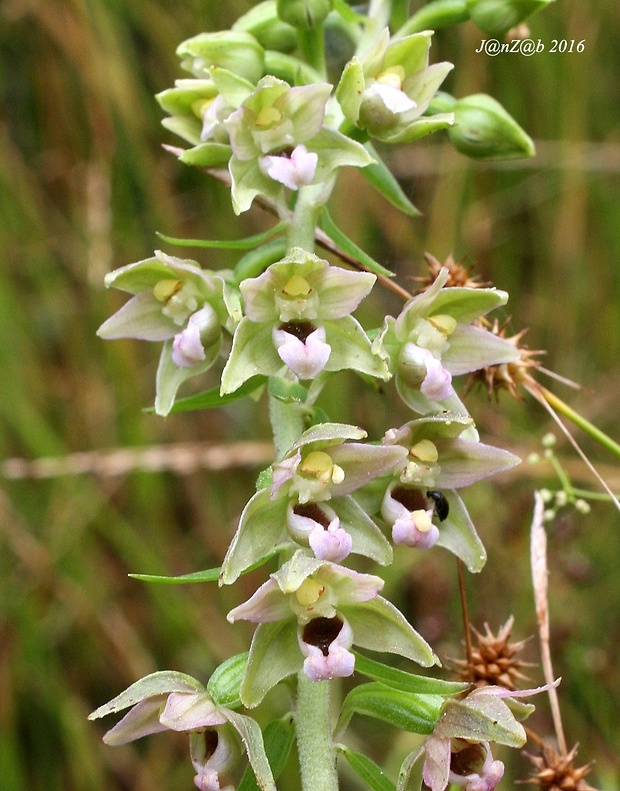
pixel 309 503
pixel 177 302
pixel 298 317
pixel 279 139
pixel 311 604
pixel 433 340
pixel 388 91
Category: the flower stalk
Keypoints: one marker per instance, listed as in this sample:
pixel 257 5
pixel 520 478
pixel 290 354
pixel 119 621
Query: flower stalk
pixel 313 726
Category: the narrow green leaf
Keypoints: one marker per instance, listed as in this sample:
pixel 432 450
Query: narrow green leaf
pixel 209 575
pixel 407 682
pixel 367 769
pixel 279 736
pixel 349 247
pixel 223 686
pixel 384 181
pixel 248 243
pixel 211 399
pixel 408 711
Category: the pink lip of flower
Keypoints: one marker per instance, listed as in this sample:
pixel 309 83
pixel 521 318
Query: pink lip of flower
pixel 295 171
pixel 187 346
pixel 338 662
pixel 333 544
pixel 436 382
pixel 405 531
pixel 305 358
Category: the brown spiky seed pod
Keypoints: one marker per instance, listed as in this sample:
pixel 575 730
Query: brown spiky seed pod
pixel 555 772
pixel 459 275
pixel 494 659
pixel 507 376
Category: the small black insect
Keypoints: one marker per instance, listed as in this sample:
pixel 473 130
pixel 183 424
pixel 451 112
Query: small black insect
pixel 442 507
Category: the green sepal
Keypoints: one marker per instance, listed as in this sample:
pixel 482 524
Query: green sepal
pixel 207 155
pixel 368 540
pixel 406 682
pixel 484 717
pixel 170 376
pixel 419 128
pixel 413 712
pixel 274 655
pixel 252 738
pixel 235 51
pixel 211 399
pixel 458 534
pixel 163 682
pixel 379 626
pixel 187 127
pixel 350 88
pixel 223 686
pixel 278 737
pixel 383 180
pixel 350 348
pixel 252 353
pixel 247 243
pixel 467 304
pixel 366 769
pixel 348 246
pixel 261 532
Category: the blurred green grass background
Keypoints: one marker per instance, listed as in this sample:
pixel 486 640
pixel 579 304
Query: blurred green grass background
pixel 84 186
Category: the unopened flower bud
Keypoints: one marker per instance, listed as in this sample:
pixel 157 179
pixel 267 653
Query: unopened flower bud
pixel 496 17
pixel 235 51
pixel 263 22
pixel 484 130
pixel 304 14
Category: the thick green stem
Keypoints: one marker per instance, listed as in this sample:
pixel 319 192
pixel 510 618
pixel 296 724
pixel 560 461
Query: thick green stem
pixel 287 424
pixel 305 218
pixel 312 46
pixel 317 754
